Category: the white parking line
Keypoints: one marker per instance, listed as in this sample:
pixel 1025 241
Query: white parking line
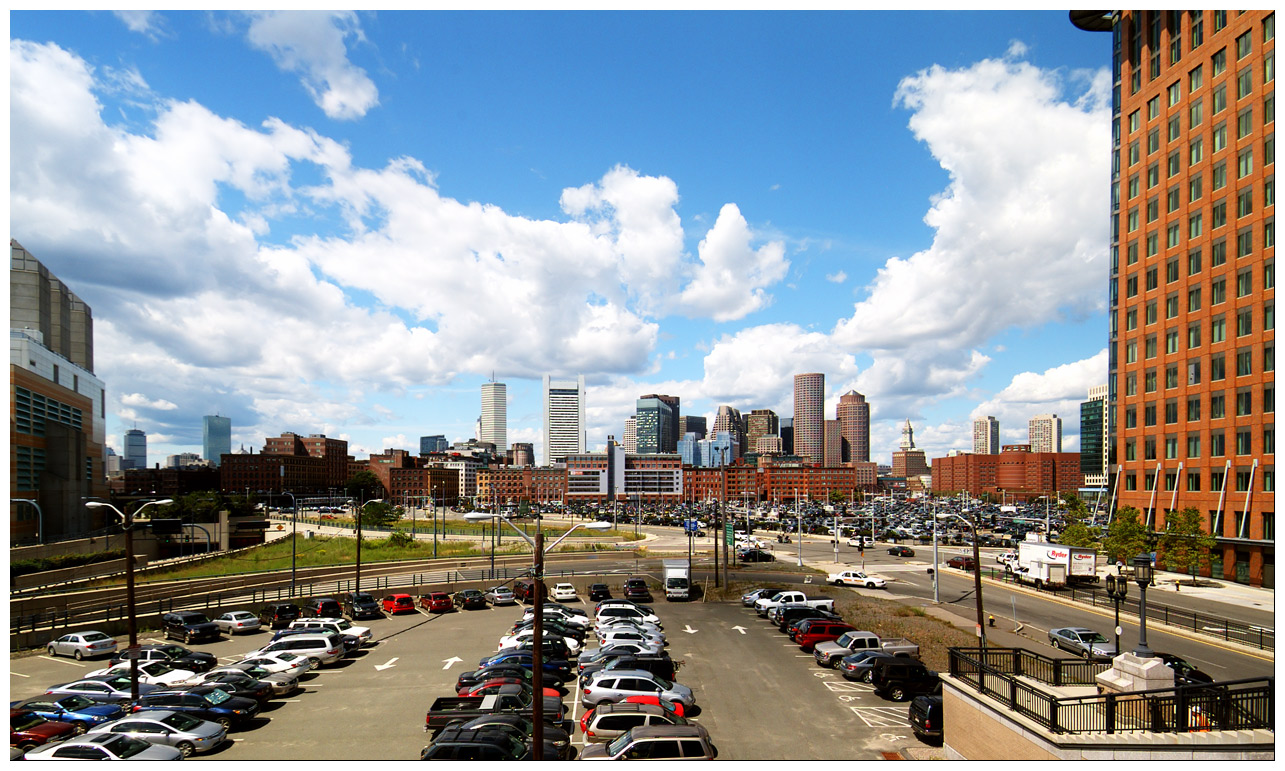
pixel 62 661
pixel 15 674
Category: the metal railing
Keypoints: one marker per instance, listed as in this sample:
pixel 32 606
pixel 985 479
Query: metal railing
pixel 997 672
pixel 1207 624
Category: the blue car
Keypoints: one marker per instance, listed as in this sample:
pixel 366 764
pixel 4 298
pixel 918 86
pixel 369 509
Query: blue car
pixel 77 710
pixel 552 667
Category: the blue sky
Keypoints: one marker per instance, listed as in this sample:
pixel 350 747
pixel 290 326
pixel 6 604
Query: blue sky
pixel 344 222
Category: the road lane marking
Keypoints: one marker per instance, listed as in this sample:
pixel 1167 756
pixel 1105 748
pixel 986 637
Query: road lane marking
pixel 452 661
pixel 15 674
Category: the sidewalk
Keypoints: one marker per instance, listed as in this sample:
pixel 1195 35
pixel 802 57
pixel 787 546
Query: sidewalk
pixel 1216 589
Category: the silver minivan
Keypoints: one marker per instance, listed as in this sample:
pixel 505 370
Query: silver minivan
pixel 618 685
pixel 325 647
pixel 656 742
pixel 607 721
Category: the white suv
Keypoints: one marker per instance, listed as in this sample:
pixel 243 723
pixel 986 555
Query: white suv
pixel 326 647
pixel 340 626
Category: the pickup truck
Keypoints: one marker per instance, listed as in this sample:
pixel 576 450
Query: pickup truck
pixel 856 578
pixel 508 700
pixel 828 653
pixel 765 604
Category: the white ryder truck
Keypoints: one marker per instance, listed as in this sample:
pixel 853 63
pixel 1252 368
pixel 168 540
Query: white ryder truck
pixel 678 580
pixel 1055 565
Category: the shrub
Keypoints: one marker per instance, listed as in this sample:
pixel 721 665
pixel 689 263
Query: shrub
pixel 41 564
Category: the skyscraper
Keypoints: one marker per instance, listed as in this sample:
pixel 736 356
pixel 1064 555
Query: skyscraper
pixel 564 403
pixel 495 416
pixel 1093 456
pixel 694 424
pixel 832 453
pixel 1044 433
pixel 1191 275
pixel 630 442
pixel 986 436
pixel 729 421
pixel 654 426
pixel 135 454
pixel 434 443
pixel 809 417
pixel 216 438
pixel 758 424
pixel 673 402
pixel 853 412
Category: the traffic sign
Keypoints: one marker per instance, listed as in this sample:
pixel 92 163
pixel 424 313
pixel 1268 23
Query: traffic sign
pixel 730 538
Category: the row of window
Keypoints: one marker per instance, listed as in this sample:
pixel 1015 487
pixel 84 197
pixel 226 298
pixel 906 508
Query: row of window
pixel 1195 446
pixel 1217 325
pixel 1217 405
pixel 33 410
pixel 1217 285
pixel 1216 479
pixel 1244 363
pixel 1171 22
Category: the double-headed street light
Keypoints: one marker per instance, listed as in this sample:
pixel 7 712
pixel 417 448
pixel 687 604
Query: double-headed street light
pixel 537 630
pixel 127 523
pixel 1117 590
pixel 977 570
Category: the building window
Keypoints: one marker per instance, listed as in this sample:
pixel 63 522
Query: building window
pixel 1244 82
pixel 1153 141
pixel 1244 442
pixel 1171 381
pixel 1244 45
pixel 1134 154
pixel 1220 21
pixel 1173 199
pixel 1193 335
pixel 1193 445
pixel 1218 253
pixel 1149 418
pixel 1245 243
pixel 1153 210
pixel 1244 322
pixel 1131 352
pixel 1220 176
pixel 1193 481
pixel 1218 215
pixel 1196 113
pixel 1171 341
pixel 1171 412
pixel 1245 283
pixel 1151 346
pixel 1197 29
pixel 1244 403
pixel 1193 299
pixel 1217 444
pixel 1173 235
pixel 1131 418
pixel 1269 358
pixel 1220 100
pixel 1149 449
pixel 1131 384
pixel 1131 319
pixel 1218 330
pixel 1135 121
pixel 1153 175
pixel 1193 262
pixel 1151 313
pixel 1149 381
pixel 1218 291
pixel 1244 362
pixel 1217 367
pixel 1220 137
pixel 1131 223
pixel 1245 123
pixel 1219 62
pixel 1171 448
pixel 1193 372
pixel 1153 108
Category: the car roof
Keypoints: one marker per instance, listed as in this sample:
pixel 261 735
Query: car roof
pixel 610 708
pixel 662 731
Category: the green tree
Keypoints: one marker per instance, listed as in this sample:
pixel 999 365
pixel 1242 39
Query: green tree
pixel 1079 534
pixel 364 486
pixel 1127 536
pixel 1185 543
pixel 837 496
pixel 378 514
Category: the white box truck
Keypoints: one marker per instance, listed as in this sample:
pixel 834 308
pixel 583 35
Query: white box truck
pixel 678 580
pixel 1054 564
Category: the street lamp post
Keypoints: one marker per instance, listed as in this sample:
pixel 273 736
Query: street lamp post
pixel 294 541
pixel 435 523
pixel 977 571
pixel 537 630
pixel 1117 590
pixel 1142 574
pixel 127 523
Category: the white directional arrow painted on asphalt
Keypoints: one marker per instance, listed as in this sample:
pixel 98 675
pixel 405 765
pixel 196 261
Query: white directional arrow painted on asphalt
pixel 386 664
pixel 451 661
pixel 689 629
pixel 740 629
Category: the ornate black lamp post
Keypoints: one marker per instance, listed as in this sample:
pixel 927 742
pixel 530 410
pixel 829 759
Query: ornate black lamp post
pixel 1142 574
pixel 1117 590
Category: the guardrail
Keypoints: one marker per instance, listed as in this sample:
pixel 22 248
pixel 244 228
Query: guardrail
pixel 1207 624
pixel 1235 705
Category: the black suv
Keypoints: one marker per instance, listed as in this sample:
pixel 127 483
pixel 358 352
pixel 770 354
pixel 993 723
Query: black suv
pixel 636 589
pixel 188 626
pixel 900 678
pixel 475 744
pixel 599 592
pixel 792 615
pixel 175 655
pixel 205 702
pixel 361 605
pixel 278 615
pixel 322 607
pixel 926 718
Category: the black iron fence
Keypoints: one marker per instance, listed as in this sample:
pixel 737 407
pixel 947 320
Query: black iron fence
pixel 1259 637
pixel 998 673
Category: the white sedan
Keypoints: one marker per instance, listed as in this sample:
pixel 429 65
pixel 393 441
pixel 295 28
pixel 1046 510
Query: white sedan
pixel 524 636
pixel 280 661
pixel 564 592
pixel 856 578
pixel 237 621
pixel 149 672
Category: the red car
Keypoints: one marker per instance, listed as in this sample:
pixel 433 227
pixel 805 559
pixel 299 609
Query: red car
pixel 27 730
pixel 436 602
pixel 671 706
pixel 961 563
pixel 399 603
pixel 491 686
pixel 820 631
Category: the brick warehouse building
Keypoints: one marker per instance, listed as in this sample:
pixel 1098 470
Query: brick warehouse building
pixel 1192 274
pixel 1017 472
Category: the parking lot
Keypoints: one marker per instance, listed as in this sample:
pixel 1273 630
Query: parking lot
pixel 759 695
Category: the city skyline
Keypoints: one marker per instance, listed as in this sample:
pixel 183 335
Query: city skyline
pixel 362 203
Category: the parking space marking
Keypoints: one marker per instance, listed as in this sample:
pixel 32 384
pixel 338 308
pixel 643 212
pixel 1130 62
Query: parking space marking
pixel 61 661
pixel 15 674
pixel 882 717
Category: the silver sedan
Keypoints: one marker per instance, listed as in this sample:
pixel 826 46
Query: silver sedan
pixel 237 621
pixel 501 595
pixel 183 732
pixel 82 644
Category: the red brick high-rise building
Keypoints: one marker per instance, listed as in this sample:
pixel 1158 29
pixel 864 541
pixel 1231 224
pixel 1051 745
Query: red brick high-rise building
pixel 809 417
pixel 853 413
pixel 1191 386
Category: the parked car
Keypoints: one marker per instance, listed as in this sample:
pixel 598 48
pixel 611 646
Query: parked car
pixel 235 683
pixel 174 655
pixel 282 683
pixel 859 667
pixel 150 672
pixel 237 622
pixel 900 678
pixel 901 551
pixel 454 743
pixel 926 718
pixel 28 730
pixel 652 698
pixel 340 626
pixel 856 578
pixel 185 733
pixel 608 721
pixel 106 689
pixel 80 645
pixel 749 597
pixel 614 612
pixel 188 626
pixel 961 563
pixel 205 702
pixel 1082 642
pixel 557 741
pixel 815 631
pixel 564 592
pixel 501 595
pixel 325 647
pixel 469 599
pixel 528 635
pixel 104 747
pixel 322 607
pixel 602 654
pixel 618 684
pixel 635 588
pixel 282 662
pixel 278 615
pixel 81 712
pixel 757 555
pixel 524 589
pixel 659 664
pixel 359 605
pixel 436 602
pixel 656 742
pixel 599 592
pixel 398 603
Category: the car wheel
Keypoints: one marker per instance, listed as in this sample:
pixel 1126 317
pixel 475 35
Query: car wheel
pixel 28 747
pixel 897 693
pixel 868 676
pixel 187 638
pixel 313 662
pixel 838 582
pixel 186 748
pixel 51 650
pixel 80 727
pixel 226 722
pixel 1087 655
pixel 78 655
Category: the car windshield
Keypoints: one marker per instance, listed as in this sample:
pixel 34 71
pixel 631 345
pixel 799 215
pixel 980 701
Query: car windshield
pixel 74 703
pixel 181 722
pixel 845 639
pixel 618 745
pixel 216 696
pixel 124 746
pixel 343 623
pixel 362 598
pixel 95 637
pixel 663 682
pixel 25 720
pixel 157 668
pixel 1093 637
pixel 173 651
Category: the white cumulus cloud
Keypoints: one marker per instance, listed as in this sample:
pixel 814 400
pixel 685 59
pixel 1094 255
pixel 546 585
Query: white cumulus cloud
pixel 313 44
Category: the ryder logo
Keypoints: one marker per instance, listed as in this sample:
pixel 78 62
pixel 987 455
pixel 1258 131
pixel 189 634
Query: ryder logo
pixel 1057 555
